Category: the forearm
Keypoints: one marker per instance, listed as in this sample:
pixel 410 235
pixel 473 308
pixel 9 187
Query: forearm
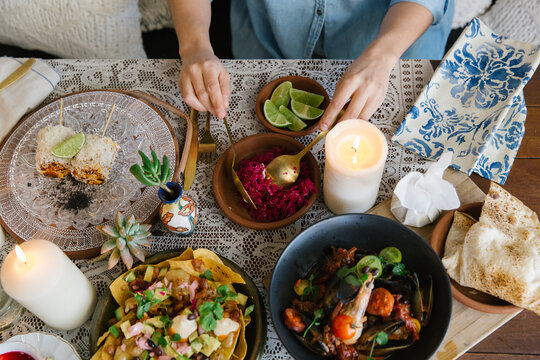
pixel 402 25
pixel 192 23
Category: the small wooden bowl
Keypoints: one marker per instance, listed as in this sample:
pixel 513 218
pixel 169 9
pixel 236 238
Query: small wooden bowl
pixel 228 198
pixel 298 82
pixel 468 296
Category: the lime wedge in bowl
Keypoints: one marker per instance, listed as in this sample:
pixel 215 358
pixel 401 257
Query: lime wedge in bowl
pixel 273 116
pixel 305 97
pixel 281 94
pixel 305 111
pixel 296 123
pixel 70 147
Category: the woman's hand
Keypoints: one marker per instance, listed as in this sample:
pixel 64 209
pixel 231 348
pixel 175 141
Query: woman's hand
pixel 204 82
pixel 365 83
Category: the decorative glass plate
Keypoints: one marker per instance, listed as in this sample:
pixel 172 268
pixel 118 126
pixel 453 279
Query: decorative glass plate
pixel 65 211
pixel 50 346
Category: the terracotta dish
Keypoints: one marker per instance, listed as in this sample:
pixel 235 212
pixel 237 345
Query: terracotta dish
pixel 298 82
pixel 228 198
pixel 473 298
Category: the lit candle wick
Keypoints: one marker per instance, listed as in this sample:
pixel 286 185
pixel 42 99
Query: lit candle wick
pixel 20 253
pixel 356 143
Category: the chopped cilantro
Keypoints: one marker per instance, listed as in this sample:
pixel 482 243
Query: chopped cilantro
pixel 249 310
pixel 311 289
pixel 226 294
pixel 399 269
pixel 207 275
pixel 163 341
pixel 210 311
pixel 318 314
pixel 145 302
pixel 166 320
pixel 176 337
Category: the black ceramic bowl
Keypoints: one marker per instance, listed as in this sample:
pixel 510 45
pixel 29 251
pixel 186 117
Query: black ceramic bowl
pixel 370 232
pixel 255 331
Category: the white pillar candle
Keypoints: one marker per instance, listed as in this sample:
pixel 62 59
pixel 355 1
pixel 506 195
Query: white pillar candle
pixel 355 156
pixel 45 281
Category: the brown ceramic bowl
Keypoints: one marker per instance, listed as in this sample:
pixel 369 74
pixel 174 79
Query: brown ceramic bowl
pixel 472 298
pixel 298 82
pixel 228 198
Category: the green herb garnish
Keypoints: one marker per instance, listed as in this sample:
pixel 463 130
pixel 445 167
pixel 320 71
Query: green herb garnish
pixel 207 275
pixel 176 337
pixel 114 331
pixel 145 301
pixel 399 269
pixel 153 172
pixel 210 311
pixel 249 310
pixel 350 276
pixel 381 339
pixel 311 289
pixel 318 314
pixel 226 294
pixel 163 341
pixel 166 320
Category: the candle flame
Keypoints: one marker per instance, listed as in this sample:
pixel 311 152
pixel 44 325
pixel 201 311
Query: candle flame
pixel 356 143
pixel 355 159
pixel 20 253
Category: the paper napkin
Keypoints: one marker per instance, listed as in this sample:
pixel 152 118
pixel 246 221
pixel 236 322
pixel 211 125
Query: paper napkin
pixel 474 105
pixel 419 198
pixel 26 93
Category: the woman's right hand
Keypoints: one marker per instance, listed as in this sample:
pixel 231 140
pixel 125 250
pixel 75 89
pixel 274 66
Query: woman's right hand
pixel 204 82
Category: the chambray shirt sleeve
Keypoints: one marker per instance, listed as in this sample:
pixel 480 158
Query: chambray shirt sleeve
pixel 437 7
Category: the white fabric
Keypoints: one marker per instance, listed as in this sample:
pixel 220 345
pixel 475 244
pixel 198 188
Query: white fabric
pixel 155 15
pixel 419 198
pixel 24 94
pixel 466 10
pixel 84 29
pixel 516 19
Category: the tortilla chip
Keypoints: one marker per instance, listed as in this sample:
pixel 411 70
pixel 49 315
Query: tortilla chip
pixel 240 351
pixel 97 355
pixel 207 254
pixel 220 272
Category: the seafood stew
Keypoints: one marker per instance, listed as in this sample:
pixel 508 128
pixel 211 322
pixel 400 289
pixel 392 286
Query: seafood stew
pixel 371 234
pixel 357 304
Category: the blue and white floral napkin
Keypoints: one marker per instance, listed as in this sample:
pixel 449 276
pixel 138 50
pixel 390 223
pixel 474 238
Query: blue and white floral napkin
pixel 474 105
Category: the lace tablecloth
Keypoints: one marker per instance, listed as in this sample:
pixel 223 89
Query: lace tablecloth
pixel 255 251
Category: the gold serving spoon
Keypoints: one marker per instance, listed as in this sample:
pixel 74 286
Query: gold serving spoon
pixel 237 183
pixel 283 171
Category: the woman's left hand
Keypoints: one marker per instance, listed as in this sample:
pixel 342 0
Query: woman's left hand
pixel 365 83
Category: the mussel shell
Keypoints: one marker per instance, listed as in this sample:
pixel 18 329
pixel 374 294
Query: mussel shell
pixel 313 339
pixel 369 334
pixel 403 285
pixel 427 299
pixel 391 346
pixel 417 306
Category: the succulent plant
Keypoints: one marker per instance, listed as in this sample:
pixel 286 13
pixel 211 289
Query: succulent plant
pixel 126 239
pixel 153 172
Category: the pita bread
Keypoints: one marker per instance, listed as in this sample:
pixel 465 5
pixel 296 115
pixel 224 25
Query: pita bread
pixel 500 255
pixel 454 241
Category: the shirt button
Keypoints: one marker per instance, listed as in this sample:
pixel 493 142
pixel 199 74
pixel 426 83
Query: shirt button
pixel 319 12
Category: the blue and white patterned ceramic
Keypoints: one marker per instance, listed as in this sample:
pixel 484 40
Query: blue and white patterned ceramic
pixel 474 105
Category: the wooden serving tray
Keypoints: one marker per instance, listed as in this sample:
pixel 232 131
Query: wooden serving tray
pixel 467 326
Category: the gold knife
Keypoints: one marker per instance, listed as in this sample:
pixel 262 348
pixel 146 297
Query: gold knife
pixel 18 73
pixel 191 163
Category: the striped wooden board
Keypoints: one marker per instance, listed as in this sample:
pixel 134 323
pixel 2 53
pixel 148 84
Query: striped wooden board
pixel 467 326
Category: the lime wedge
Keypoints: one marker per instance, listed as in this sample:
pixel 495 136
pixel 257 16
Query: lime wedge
pixel 296 123
pixel 70 147
pixel 304 111
pixel 274 117
pixel 280 95
pixel 305 97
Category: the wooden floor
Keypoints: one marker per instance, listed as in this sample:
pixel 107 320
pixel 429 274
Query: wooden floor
pixel 519 339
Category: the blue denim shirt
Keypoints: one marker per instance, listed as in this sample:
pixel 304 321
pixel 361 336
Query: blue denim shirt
pixel 341 29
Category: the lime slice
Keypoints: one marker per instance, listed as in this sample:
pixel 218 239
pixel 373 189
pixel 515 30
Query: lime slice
pixel 391 255
pixel 280 95
pixel 304 111
pixel 70 147
pixel 372 264
pixel 305 97
pixel 296 123
pixel 274 117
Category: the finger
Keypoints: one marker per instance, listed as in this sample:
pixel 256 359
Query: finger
pixel 201 93
pixel 372 104
pixel 189 94
pixel 211 83
pixel 356 105
pixel 341 96
pixel 225 83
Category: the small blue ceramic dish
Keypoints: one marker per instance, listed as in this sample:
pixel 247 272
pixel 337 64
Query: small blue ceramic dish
pixel 178 212
pixel 369 232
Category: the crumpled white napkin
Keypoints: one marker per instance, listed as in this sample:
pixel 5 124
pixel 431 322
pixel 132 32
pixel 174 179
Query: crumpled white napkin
pixel 419 198
pixel 26 93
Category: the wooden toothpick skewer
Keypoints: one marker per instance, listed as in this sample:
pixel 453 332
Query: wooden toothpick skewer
pixel 61 108
pixel 108 119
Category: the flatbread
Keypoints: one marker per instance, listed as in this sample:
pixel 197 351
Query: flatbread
pixel 500 254
pixel 454 241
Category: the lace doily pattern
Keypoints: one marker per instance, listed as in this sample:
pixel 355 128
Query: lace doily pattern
pixel 255 251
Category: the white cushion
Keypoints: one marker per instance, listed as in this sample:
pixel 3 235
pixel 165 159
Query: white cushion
pixel 74 28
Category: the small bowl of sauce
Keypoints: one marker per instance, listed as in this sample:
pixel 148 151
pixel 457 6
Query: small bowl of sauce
pixel 18 351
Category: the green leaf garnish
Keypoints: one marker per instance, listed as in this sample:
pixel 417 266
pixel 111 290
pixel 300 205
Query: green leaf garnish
pixel 399 269
pixel 210 311
pixel 207 275
pixel 176 337
pixel 249 310
pixel 380 339
pixel 226 294
pixel 318 314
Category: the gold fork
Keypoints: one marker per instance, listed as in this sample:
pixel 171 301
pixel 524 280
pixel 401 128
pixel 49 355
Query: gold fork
pixel 207 144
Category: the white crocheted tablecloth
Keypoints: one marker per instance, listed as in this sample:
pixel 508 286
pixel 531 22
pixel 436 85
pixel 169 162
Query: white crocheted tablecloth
pixel 255 251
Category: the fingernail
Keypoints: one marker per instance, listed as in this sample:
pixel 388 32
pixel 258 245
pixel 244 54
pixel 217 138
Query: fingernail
pixel 221 114
pixel 324 127
pixel 226 101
